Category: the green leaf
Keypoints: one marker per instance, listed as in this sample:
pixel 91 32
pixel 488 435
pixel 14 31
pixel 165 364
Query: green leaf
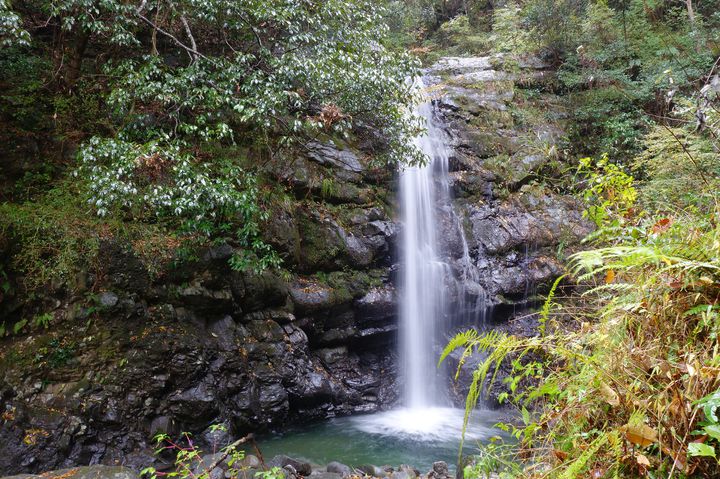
pixel 697 449
pixel 525 416
pixel 713 430
pixel 19 326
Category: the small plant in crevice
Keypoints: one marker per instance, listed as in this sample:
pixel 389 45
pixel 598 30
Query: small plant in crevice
pixel 188 457
pixel 55 354
pixel 42 320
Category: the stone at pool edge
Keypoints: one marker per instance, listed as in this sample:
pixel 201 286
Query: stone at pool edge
pixel 301 467
pixel 325 475
pixel 440 470
pixel 371 470
pixel 85 472
pixel 339 468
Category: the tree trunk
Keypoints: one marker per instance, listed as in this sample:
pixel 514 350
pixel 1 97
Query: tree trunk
pixel 75 61
pixel 691 13
pixel 691 18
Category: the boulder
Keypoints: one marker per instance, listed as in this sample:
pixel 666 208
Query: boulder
pixel 301 467
pixel 309 296
pixel 377 304
pixel 440 470
pixel 329 154
pixel 251 461
pixel 108 299
pixel 339 468
pixel 326 475
pixel 372 470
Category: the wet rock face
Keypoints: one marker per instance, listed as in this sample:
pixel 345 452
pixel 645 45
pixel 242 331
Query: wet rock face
pixel 90 472
pixel 504 123
pixel 208 345
pixel 323 350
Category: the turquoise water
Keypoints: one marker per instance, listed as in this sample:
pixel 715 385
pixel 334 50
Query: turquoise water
pixel 402 436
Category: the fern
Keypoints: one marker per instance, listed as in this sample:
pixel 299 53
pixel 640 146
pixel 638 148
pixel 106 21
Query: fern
pixel 547 305
pixel 573 470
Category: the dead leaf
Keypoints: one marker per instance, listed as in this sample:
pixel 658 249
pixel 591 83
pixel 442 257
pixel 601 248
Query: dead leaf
pixel 609 276
pixel 561 455
pixel 640 434
pixel 597 473
pixel 642 460
pixel 610 396
pixel 662 226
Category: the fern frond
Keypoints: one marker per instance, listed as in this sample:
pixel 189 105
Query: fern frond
pixel 460 340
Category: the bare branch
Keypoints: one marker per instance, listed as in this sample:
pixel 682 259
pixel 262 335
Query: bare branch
pixel 189 34
pixel 228 450
pixel 171 36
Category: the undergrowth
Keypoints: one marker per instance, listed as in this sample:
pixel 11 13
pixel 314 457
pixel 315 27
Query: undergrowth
pixel 622 379
pixel 633 385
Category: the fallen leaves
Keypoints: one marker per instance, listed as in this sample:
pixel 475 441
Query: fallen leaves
pixel 640 434
pixel 609 395
pixel 661 226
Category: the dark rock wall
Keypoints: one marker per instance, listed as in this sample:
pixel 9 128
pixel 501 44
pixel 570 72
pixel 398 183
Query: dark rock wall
pixel 506 128
pixel 209 345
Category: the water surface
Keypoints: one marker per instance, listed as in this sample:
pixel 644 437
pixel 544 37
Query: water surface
pixel 417 437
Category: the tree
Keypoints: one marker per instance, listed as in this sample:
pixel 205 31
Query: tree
pixel 183 74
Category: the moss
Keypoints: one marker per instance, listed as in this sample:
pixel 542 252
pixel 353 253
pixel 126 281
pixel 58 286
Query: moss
pixel 320 244
pixel 492 119
pixel 348 285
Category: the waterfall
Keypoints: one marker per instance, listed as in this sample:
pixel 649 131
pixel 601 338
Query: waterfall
pixel 430 278
pixel 423 293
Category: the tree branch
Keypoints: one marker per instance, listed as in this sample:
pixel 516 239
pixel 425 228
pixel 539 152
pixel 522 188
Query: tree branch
pixel 189 34
pixel 191 50
pixel 228 450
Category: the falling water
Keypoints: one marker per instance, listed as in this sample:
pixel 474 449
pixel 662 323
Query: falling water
pixel 423 291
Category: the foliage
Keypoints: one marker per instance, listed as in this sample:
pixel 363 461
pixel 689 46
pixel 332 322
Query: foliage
pixel 617 380
pixel 184 83
pixel 189 463
pixel 622 380
pixel 55 354
pixel 43 320
pixel 11 31
pixel 681 167
pixel 140 182
pixel 610 193
pixel 508 33
pixel 496 459
pixel 279 66
pixel 55 235
pixel 272 473
pixel 709 429
pixel 554 23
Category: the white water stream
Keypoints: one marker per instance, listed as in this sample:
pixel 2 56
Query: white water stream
pixel 425 282
pixel 423 291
